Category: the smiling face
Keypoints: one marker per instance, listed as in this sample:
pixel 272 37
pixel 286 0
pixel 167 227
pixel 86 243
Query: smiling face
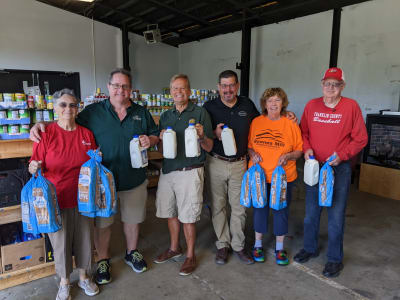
pixel 228 88
pixel 119 88
pixel 273 106
pixel 66 108
pixel 332 88
pixel 180 91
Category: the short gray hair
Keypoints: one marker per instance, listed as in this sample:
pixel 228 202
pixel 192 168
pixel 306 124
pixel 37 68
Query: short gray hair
pixel 57 95
pixel 180 76
pixel 120 71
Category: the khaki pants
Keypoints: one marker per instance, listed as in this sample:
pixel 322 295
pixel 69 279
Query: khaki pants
pixel 223 183
pixel 74 236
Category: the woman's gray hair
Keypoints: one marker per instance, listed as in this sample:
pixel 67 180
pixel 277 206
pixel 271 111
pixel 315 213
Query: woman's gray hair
pixel 57 95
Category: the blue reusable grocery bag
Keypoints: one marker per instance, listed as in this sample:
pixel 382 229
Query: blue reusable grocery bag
pixel 277 194
pixel 88 184
pixel 258 188
pixel 326 183
pixel 45 205
pixel 28 213
pixel 245 191
pixel 106 204
pixel 96 188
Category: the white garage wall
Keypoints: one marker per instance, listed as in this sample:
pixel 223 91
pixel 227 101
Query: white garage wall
pixel 370 54
pixel 203 61
pixel 152 65
pixel 291 55
pixel 37 36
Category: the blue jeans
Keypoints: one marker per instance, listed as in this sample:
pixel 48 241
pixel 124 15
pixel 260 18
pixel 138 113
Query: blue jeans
pixel 336 214
pixel 260 215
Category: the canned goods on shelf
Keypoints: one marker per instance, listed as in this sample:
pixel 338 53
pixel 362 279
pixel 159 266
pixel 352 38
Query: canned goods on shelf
pixel 24 128
pixel 7 97
pixel 55 116
pixel 38 116
pixel 48 115
pixel 13 129
pixel 3 114
pixel 23 113
pixel 12 114
pixel 39 101
pixel 49 100
pixel 20 97
pixel 3 129
pixel 31 101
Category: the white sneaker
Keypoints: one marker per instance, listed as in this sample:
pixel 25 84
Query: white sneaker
pixel 64 292
pixel 89 287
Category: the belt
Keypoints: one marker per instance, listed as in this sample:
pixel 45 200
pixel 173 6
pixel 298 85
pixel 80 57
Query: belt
pixel 190 168
pixel 228 159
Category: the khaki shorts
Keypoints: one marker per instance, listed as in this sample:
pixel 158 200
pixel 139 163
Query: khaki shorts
pixel 132 205
pixel 180 194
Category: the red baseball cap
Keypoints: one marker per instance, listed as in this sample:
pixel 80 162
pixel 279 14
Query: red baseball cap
pixel 334 73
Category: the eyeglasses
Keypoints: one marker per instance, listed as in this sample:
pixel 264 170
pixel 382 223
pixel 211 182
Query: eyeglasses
pixel 116 86
pixel 332 84
pixel 70 105
pixel 230 86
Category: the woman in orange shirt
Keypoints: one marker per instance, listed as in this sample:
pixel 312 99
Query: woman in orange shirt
pixel 274 141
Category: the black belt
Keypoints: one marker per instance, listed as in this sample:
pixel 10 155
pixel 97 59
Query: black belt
pixel 190 168
pixel 228 159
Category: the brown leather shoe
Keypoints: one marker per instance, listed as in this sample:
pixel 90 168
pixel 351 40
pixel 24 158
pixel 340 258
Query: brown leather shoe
pixel 188 266
pixel 222 256
pixel 168 255
pixel 244 257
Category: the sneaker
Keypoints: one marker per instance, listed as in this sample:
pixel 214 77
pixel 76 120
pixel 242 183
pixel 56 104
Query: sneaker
pixel 103 275
pixel 89 287
pixel 221 257
pixel 258 254
pixel 188 266
pixel 64 292
pixel 281 258
pixel 332 269
pixel 303 256
pixel 244 257
pixel 168 255
pixel 135 260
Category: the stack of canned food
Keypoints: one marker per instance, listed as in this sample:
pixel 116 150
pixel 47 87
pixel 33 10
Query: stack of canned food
pixel 18 111
pixel 158 103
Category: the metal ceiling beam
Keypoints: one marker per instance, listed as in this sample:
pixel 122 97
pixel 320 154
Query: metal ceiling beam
pixel 180 12
pixel 122 6
pixel 263 15
pixel 185 37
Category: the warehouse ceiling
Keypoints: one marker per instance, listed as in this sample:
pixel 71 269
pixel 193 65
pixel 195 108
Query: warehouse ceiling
pixel 183 21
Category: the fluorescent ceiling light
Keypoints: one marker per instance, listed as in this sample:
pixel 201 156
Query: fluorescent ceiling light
pixel 85 0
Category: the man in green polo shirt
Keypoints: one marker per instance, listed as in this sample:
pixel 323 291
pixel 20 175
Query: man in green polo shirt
pixel 180 188
pixel 113 123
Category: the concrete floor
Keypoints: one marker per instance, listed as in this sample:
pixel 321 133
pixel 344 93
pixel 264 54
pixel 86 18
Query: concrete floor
pixel 372 262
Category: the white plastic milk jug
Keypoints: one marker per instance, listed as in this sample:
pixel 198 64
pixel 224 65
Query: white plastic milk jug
pixel 311 171
pixel 139 157
pixel 169 143
pixel 192 146
pixel 228 141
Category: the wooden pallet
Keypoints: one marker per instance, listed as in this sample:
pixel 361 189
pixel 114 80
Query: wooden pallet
pixel 26 275
pixel 15 148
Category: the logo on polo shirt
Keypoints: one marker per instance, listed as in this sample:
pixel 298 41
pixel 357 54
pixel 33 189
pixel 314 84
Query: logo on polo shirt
pixel 136 118
pixel 242 113
pixel 86 143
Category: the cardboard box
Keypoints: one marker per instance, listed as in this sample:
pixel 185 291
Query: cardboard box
pixel 22 255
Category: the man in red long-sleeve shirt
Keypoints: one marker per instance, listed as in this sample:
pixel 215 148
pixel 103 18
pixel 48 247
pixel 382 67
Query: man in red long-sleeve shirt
pixel 330 125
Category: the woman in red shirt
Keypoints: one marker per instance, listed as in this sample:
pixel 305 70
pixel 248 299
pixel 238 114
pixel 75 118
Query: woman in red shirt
pixel 60 154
